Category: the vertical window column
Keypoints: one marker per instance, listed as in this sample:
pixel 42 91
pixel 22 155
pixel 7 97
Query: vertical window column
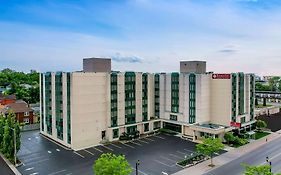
pixel 241 93
pixel 42 102
pixel 48 102
pixel 114 106
pixel 58 104
pixel 144 97
pixel 130 97
pixel 192 98
pixel 157 95
pixel 252 96
pixel 175 92
pixel 234 96
pixel 68 82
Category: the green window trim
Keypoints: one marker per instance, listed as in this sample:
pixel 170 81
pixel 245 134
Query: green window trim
pixel 48 102
pixel 234 96
pixel 192 98
pixel 241 93
pixel 175 92
pixel 114 99
pixel 144 96
pixel 157 95
pixel 115 133
pixel 68 82
pixel 130 97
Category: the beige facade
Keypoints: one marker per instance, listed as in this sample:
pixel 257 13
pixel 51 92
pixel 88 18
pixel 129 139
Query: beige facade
pixel 98 107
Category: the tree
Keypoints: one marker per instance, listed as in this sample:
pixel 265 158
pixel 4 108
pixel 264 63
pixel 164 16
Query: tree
pixel 112 164
pixel 229 137
pixel 261 124
pixel 256 101
pixel 258 170
pixel 209 147
pixel 9 125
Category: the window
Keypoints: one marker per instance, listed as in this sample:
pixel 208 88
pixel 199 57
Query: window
pixel 146 127
pixel 26 114
pixel 173 117
pixel 243 119
pixel 115 133
pixel 26 120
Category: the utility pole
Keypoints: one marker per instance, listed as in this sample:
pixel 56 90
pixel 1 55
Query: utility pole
pixel 15 146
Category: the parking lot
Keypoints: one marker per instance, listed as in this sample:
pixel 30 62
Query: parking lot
pixel 157 154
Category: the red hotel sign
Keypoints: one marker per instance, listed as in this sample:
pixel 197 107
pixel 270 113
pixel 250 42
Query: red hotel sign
pixel 221 76
pixel 235 124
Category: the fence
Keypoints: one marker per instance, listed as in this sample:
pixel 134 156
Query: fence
pixel 31 127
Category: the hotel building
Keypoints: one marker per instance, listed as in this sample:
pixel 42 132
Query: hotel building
pixel 86 108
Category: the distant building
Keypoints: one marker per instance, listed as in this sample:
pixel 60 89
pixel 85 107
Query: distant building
pixel 83 109
pixel 24 114
pixel 7 99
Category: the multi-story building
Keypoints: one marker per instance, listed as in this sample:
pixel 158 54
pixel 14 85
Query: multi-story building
pixel 82 109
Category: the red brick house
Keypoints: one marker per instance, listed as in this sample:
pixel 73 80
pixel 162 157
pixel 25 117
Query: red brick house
pixel 24 114
pixel 7 99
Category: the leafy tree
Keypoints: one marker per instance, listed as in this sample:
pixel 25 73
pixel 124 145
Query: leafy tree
pixel 209 147
pixel 261 124
pixel 261 87
pixel 258 170
pixel 8 125
pixel 229 137
pixel 112 164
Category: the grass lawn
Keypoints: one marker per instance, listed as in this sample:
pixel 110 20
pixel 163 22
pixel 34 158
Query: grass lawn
pixel 261 134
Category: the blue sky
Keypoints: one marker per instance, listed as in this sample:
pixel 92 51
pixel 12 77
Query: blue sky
pixel 141 35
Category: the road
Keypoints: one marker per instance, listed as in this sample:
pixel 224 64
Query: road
pixel 257 157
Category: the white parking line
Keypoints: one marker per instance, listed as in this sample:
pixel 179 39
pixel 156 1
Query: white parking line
pixel 89 152
pixel 49 152
pixel 181 153
pixel 28 169
pixel 39 161
pixel 168 159
pixel 58 150
pixel 149 139
pixel 115 146
pixel 34 173
pixel 29 138
pixel 98 149
pixel 57 172
pixel 141 172
pixel 159 137
pixel 106 147
pixel 163 163
pixel 176 156
pixel 188 151
pixel 127 145
pixel 143 141
pixel 78 154
pixel 135 143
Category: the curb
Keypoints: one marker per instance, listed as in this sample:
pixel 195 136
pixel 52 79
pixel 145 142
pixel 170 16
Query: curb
pixel 11 166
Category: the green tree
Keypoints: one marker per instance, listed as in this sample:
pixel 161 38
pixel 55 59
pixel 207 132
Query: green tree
pixel 9 124
pixel 261 87
pixel 257 170
pixel 261 124
pixel 229 137
pixel 209 147
pixel 112 164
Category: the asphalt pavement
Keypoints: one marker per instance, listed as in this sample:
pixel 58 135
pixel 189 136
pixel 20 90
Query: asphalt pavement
pixel 157 154
pixel 256 157
pixel 4 168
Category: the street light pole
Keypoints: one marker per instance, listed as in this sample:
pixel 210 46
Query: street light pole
pixel 137 164
pixel 15 146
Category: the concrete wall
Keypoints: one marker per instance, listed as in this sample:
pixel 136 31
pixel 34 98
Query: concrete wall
pixel 89 108
pixel 220 102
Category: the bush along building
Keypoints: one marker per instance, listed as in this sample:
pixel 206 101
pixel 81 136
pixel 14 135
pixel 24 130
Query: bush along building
pixel 83 109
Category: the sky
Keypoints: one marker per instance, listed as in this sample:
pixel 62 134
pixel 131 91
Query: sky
pixel 141 35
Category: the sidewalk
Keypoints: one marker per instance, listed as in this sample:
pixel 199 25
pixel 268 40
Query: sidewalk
pixel 229 156
pixel 6 167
